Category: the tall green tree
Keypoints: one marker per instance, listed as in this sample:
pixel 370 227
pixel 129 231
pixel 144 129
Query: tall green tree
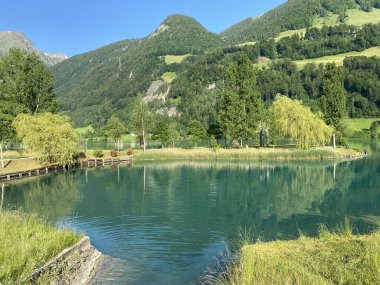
pixel 26 86
pixel 241 108
pixel 333 101
pixel 142 119
pixel 51 137
pixel 290 118
pixel 115 129
pixel 196 131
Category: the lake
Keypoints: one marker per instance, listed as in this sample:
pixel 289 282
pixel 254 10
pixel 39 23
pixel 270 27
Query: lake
pixel 163 223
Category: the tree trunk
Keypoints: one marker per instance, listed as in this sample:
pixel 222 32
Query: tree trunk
pixel 2 196
pixel 334 144
pixel 1 156
pixel 143 137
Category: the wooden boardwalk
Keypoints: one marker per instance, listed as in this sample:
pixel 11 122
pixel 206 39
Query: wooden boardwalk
pixel 86 163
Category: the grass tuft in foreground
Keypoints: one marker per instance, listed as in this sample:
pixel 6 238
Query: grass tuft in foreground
pixel 26 243
pixel 332 258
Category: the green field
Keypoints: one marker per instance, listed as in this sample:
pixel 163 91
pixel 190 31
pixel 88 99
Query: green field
pixel 355 17
pixel 84 130
pixel 338 58
pixel 360 123
pixel 168 77
pixel 170 59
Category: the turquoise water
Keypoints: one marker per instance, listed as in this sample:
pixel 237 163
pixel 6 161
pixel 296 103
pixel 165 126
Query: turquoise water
pixel 163 223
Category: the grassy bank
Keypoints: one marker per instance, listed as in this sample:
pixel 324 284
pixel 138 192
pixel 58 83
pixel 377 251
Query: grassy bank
pixel 330 259
pixel 17 165
pixel 27 242
pixel 240 154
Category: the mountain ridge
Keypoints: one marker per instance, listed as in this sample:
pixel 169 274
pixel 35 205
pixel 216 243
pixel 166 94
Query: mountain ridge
pixel 15 39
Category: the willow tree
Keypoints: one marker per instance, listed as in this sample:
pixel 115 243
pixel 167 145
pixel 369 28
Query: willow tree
pixel 291 118
pixel 50 137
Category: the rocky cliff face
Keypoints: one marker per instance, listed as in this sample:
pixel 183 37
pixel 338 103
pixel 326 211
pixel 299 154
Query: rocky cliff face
pixel 10 39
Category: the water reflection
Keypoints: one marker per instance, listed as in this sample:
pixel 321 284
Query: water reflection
pixel 162 223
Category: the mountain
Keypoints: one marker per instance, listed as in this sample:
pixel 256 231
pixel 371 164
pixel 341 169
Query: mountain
pixel 292 15
pixel 94 85
pixel 9 39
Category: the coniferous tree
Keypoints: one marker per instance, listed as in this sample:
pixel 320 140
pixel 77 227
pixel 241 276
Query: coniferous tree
pixel 242 109
pixel 333 101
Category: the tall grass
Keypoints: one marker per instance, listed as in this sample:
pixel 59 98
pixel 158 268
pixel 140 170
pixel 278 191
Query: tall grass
pixel 236 154
pixel 335 257
pixel 26 243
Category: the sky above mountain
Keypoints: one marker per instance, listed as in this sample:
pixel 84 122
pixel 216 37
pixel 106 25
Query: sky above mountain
pixel 77 26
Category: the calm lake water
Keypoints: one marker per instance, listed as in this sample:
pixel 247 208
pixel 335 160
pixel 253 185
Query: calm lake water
pixel 163 223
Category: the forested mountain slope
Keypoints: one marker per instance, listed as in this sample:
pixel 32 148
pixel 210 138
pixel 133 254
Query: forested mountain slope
pixel 180 67
pixel 292 15
pixel 94 85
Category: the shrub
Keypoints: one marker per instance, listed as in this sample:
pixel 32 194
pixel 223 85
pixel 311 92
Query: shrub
pixel 129 152
pixel 214 143
pixel 98 153
pixel 82 154
pixel 114 153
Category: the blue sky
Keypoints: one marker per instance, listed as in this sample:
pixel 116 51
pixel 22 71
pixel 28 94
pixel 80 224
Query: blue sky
pixel 74 27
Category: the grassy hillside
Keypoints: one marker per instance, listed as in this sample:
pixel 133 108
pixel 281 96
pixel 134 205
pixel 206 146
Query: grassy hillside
pixel 355 17
pixel 338 59
pixel 170 59
pixel 294 15
pixel 94 85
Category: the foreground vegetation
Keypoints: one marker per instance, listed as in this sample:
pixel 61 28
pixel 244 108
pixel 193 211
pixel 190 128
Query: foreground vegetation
pixel 27 242
pixel 332 258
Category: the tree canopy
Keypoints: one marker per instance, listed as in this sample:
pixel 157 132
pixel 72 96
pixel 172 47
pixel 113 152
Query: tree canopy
pixel 51 137
pixel 26 86
pixel 291 118
pixel 241 108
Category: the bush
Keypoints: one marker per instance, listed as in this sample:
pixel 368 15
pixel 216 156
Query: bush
pixel 114 153
pixel 82 154
pixel 129 152
pixel 214 143
pixel 98 153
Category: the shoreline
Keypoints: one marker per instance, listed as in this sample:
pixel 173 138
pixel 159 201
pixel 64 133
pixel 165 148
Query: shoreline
pixel 199 154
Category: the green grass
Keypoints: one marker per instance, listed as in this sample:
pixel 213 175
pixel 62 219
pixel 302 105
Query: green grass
pixel 355 17
pixel 239 154
pixel 170 59
pixel 246 44
pixel 27 242
pixel 168 77
pixel 332 258
pixel 360 123
pixel 338 59
pixel 17 165
pixel 84 130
